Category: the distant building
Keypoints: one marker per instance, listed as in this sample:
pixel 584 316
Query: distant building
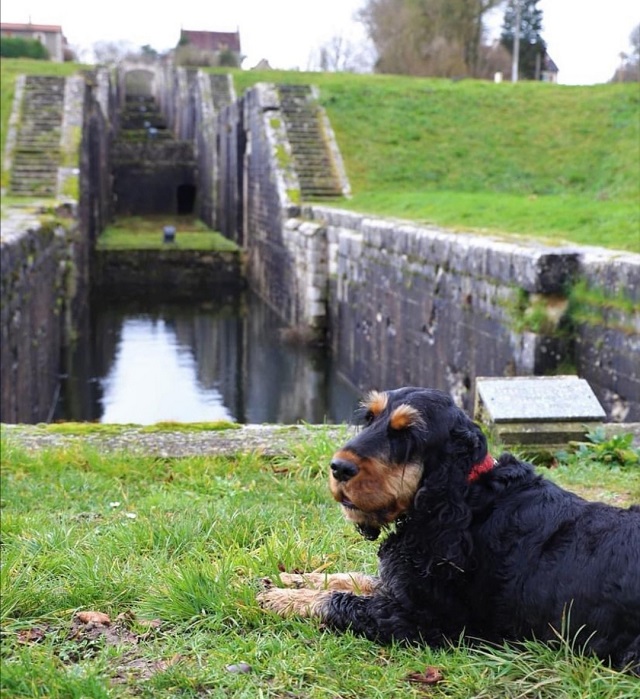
pixel 49 35
pixel 262 64
pixel 548 70
pixel 213 48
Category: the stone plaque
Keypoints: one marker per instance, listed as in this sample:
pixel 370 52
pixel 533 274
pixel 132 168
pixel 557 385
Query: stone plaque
pixel 537 399
pixel 538 414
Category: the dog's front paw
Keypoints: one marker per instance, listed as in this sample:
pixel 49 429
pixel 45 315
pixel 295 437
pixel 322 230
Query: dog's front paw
pixel 358 583
pixel 298 580
pixel 296 602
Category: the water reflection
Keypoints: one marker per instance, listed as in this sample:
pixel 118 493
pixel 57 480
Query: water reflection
pixel 151 362
pixel 144 362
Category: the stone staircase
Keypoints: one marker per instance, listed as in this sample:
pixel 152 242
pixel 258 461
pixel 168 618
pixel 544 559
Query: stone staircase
pixel 36 157
pixel 311 156
pixel 152 171
pixel 141 119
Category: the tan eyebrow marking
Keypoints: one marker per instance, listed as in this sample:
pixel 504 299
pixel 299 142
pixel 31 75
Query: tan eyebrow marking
pixel 404 416
pixel 376 402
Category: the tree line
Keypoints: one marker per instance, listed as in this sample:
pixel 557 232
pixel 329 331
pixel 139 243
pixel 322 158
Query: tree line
pixel 450 38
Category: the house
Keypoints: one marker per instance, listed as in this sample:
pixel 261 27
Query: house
pixel 212 48
pixel 49 35
pixel 262 64
pixel 548 69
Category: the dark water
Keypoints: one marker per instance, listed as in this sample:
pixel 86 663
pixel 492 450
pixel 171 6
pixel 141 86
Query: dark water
pixel 146 361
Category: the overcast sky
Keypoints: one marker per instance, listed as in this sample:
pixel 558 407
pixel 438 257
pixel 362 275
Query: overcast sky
pixel 583 38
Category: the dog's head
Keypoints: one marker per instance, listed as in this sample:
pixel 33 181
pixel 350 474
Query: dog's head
pixel 409 435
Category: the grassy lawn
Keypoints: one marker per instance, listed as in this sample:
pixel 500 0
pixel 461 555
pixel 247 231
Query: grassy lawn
pixel 551 161
pixel 172 550
pixel 146 233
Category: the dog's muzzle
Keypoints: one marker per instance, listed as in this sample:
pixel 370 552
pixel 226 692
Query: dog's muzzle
pixel 343 470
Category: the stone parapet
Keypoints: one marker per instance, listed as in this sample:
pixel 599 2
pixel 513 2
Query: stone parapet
pixel 34 268
pixel 411 304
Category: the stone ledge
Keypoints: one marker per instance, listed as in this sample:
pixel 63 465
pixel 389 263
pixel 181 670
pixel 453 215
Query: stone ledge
pixel 267 440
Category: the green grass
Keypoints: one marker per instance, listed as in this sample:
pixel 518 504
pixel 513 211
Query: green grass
pixel 173 551
pixel 545 161
pixel 146 233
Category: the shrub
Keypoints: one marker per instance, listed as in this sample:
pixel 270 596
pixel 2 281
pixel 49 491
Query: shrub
pixel 14 47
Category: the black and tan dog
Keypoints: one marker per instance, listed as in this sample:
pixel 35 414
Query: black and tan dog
pixel 477 548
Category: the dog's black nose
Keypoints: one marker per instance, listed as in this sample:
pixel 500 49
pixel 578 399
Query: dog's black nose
pixel 343 470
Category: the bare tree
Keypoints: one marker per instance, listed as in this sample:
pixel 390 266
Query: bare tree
pixel 628 70
pixel 427 37
pixel 341 54
pixel 112 52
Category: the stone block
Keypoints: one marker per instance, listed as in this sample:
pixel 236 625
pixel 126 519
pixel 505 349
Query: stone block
pixel 539 413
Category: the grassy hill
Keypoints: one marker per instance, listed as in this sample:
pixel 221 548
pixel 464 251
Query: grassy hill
pixel 534 159
pixel 551 162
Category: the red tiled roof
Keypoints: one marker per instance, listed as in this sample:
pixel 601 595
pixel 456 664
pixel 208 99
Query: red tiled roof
pixel 47 28
pixel 212 41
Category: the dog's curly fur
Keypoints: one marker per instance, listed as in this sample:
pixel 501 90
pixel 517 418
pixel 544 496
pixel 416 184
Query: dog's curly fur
pixel 477 549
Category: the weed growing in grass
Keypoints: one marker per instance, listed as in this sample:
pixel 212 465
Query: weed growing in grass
pixel 614 451
pixel 173 551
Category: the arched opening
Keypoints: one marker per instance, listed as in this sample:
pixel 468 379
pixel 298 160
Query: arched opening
pixel 139 83
pixel 186 198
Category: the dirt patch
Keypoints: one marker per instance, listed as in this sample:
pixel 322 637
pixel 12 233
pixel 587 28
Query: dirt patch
pixel 131 667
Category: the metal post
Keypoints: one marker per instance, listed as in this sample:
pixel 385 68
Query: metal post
pixel 516 43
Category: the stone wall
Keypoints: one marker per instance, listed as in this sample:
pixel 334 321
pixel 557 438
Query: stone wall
pixel 34 263
pixel 45 260
pixel 229 158
pixel 258 207
pixel 411 305
pixel 190 100
pixel 95 196
pixel 606 312
pixel 399 303
pixel 165 273
pixel 405 304
pixel 148 175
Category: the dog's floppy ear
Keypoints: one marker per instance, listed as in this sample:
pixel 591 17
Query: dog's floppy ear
pixel 441 499
pixel 467 439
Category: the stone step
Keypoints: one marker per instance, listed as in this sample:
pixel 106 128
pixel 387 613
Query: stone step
pixel 34 156
pixel 28 181
pixel 34 164
pixel 34 170
pixel 31 150
pixel 36 113
pixel 48 139
pixel 49 146
pixel 33 128
pixel 33 118
pixel 34 185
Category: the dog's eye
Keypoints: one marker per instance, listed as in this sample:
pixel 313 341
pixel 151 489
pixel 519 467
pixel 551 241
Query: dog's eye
pixel 368 418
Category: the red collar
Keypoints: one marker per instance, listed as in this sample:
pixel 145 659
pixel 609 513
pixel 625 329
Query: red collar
pixel 481 467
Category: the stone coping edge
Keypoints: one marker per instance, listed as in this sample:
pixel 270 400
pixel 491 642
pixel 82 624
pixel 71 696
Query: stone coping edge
pixel 266 440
